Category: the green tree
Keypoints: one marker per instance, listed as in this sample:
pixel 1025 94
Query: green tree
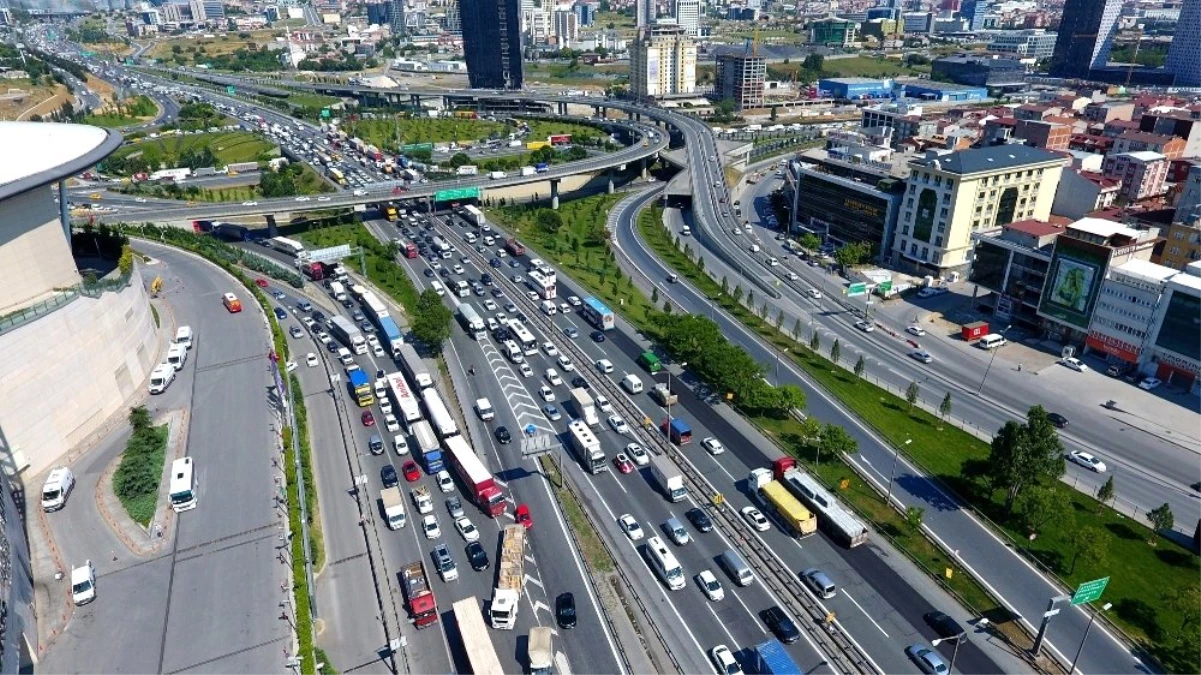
pixel 432 320
pixel 809 241
pixel 810 430
pixel 853 254
pixel 944 408
pixel 1186 602
pixel 913 518
pixel 1105 493
pixel 814 63
pixel 835 440
pixel 911 394
pixel 763 311
pixel 549 220
pixel 1024 454
pixel 139 417
pixel 1161 519
pixel 815 342
pixel 1040 504
pixel 1088 545
pixel 796 329
pixel 860 366
pixel 459 159
pixel 836 351
pixel 655 295
pixel 750 298
pixel 667 306
pixel 700 262
pixel 737 295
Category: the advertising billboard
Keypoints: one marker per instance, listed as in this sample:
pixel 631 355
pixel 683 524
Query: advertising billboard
pixel 1073 282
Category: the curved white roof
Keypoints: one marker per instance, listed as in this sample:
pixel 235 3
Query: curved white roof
pixel 38 150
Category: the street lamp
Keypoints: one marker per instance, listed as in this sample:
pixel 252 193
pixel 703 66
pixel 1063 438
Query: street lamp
pixel 1104 608
pixel 957 639
pixel 896 454
pixel 990 361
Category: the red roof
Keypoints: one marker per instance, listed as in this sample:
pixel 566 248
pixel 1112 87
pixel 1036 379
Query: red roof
pixel 1123 124
pixel 1100 179
pixel 1003 122
pixel 1038 228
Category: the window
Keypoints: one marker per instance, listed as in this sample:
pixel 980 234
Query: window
pixel 912 249
pixel 925 252
pixel 938 241
pixel 942 227
pixel 904 230
pixel 1175 250
pixel 943 212
pixel 909 203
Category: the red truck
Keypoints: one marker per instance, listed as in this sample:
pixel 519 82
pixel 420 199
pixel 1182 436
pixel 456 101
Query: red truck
pixel 314 271
pixel 483 488
pixel 423 609
pixel 514 247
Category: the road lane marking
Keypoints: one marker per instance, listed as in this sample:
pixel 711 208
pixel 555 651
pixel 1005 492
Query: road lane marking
pixel 861 609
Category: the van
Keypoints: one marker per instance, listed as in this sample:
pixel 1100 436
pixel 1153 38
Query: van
pixel 183 336
pixel 685 231
pixel 161 377
pixel 483 407
pixel 437 286
pixel 675 530
pixel 400 445
pixel 376 444
pixel 736 567
pixel 345 356
pixel 990 341
pixel 177 355
pixel 549 308
pixel 631 383
pixel 673 278
pixel 754 248
pixel 463 289
pixel 56 488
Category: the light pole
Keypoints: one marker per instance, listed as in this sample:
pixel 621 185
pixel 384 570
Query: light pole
pixel 667 398
pixel 1104 608
pixel 990 361
pixel 957 639
pixel 784 350
pixel 896 455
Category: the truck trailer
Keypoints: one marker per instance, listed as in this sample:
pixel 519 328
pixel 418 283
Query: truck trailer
pixel 669 478
pixel 394 507
pixel 481 485
pixel 592 457
pixel 585 408
pixel 772 659
pixel 510 579
pixel 678 431
pixel 428 446
pixel 776 497
pixel 348 334
pixel 413 367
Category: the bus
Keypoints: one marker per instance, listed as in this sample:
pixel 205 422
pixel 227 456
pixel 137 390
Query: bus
pixel 542 284
pixel 336 174
pixel 289 246
pixel 183 485
pixel 523 337
pixel 232 303
pixel 597 314
pixel 665 564
pixel 477 643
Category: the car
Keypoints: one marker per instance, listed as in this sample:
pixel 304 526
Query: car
pixel 457 269
pixel 1073 363
pixel 391 423
pixel 819 582
pixel 387 474
pixel 756 518
pixel 1086 460
pixel 261 283
pixel 793 276
pixel 510 308
pixel 523 517
pixel 302 199
pixel 724 659
pixel 865 325
pixel 323 199
pixel 605 366
pixel 915 329
pixel 1150 383
pixel 552 376
pixel 814 293
pixel 83 583
pixel 713 445
pixel 467 529
pixel 312 360
pixel 710 586
pixel 502 435
pixel 367 418
pixel 623 463
pixel 490 305
pixel 552 413
pixel 444 563
pixel 921 355
pixel 565 363
pixel 385 406
pixel 597 336
pixel 574 300
pixel 477 557
pixel 631 527
pixel 517 278
pixel 546 392
pixel 445 482
pixel 927 660
pixel 549 349
pixel 280 313
pixel 525 370
pixel 250 203
pixel 619 425
pixel 571 332
pixel 945 626
pixel 411 472
pixel 565 614
pixel 779 623
pixel 429 525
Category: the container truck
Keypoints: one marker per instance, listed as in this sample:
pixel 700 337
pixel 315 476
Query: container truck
pixel 440 418
pixel 391 333
pixel 585 409
pixel 586 443
pixel 514 247
pixel 542 167
pixel 510 579
pixel 477 643
pixel 394 507
pixel 772 659
pixel 468 170
pixel 474 215
pixel 496 175
pixel 832 516
pixel 348 334
pixel 663 396
pixel 427 446
pixel 419 597
pixel 482 487
pixel 670 481
pixel 776 497
pixel 413 367
pixel 408 409
pixel 360 388
pixel 527 171
pixel 678 431
pixel 472 324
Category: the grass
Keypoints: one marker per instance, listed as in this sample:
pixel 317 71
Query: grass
pixel 138 477
pixel 310 100
pixel 382 133
pixel 214 46
pixel 593 550
pixel 858 66
pixel 228 146
pixel 382 271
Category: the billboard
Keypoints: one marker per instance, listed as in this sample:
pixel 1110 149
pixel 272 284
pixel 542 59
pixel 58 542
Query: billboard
pixel 1073 282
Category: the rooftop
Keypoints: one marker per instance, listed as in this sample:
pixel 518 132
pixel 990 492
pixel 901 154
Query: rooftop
pixel 855 80
pixel 1143 155
pixel 939 86
pixel 1036 228
pixel 994 158
pixel 1104 228
pixel 1147 270
pixel 49 152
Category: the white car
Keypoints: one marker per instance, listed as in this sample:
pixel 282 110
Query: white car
pixel 574 300
pixel 710 585
pixel 445 482
pixel 605 366
pixel 372 341
pixel 1086 460
pixel 490 305
pixel 921 355
pixel 360 193
pixel 302 199
pixel 549 349
pixel 713 445
pixel 390 423
pixel 312 360
pixel 619 425
pixel 83 583
pixel 467 529
pixel 915 330
pixel 323 199
pixel 865 325
pixel 1150 383
pixel 378 352
pixel 631 527
pixel 552 376
pixel 566 364
pixel 724 659
pixel 1074 363
pixel 793 276
pixel 603 403
pixel 546 393
pixel 250 203
pixel 814 293
pixel 638 454
pixel 525 370
pixel 385 405
pixel 756 518
pixel 429 525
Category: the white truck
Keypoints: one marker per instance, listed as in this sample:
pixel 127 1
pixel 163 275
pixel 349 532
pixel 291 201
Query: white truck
pixel 541 650
pixel 528 171
pixel 585 409
pixel 670 481
pixel 468 170
pixel 496 175
pixel 510 579
pixel 394 508
pixel 337 290
pixel 422 500
pixel 483 408
pixel 588 446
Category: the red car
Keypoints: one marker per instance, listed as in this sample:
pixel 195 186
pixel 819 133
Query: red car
pixel 411 472
pixel 368 418
pixel 261 283
pixel 623 463
pixel 523 516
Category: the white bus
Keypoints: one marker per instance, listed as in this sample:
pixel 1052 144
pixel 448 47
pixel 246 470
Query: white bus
pixel 183 485
pixel 542 284
pixel 665 564
pixel 523 337
pixel 289 246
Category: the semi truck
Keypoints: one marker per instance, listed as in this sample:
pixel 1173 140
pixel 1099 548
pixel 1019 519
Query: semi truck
pixel 678 431
pixel 662 395
pixel 527 171
pixel 468 170
pixel 541 650
pixel 314 271
pixel 586 443
pixel 413 367
pixel 472 324
pixel 478 479
pixel 360 388
pixel 474 215
pixel 776 497
pixel 585 408
pixel 408 409
pixel 772 659
pixel 440 418
pixel 514 247
pixel 477 643
pixel 510 579
pixel 394 507
pixel 391 333
pixel 669 478
pixel 419 597
pixel 427 446
pixel 348 334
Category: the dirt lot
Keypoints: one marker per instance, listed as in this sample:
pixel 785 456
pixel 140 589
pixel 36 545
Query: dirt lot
pixel 18 100
pixel 216 45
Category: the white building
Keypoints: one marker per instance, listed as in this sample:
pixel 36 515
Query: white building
pixel 1174 353
pixel 1126 309
pixel 662 62
pixel 688 16
pixel 565 27
pixel 1034 43
pixel 537 26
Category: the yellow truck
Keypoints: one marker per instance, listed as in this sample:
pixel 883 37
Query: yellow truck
pixel 776 497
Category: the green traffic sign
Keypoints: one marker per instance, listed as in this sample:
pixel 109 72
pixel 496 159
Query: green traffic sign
pixel 461 193
pixel 1089 591
pixel 416 147
pixel 884 287
pixel 859 288
pixel 325 113
pixel 229 89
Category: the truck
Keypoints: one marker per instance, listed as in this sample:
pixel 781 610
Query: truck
pixel 527 171
pixel 677 430
pixel 772 659
pixel 514 247
pixel 663 396
pixel 414 368
pixel 391 333
pixel 440 418
pixel 472 324
pixel 592 456
pixel 337 290
pixel 360 388
pixel 419 597
pixel 422 500
pixel 541 650
pixel 496 175
pixel 776 497
pixel 474 215
pixel 585 408
pixel 241 167
pixel 408 409
pixel 482 487
pixel 348 333
pixel 542 167
pixel 427 446
pixel 394 507
pixel 468 170
pixel 670 481
pixel 315 271
pixel 510 579
pixel 649 361
pixel 477 643
pixel 483 408
pixel 390 212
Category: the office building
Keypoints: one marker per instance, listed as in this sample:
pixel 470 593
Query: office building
pixel 451 23
pixel 585 12
pixel 1143 173
pixel 929 90
pixel 662 62
pixel 833 32
pixel 1174 353
pixel 740 77
pixel 917 22
pixel 565 27
pixel 492 43
pixel 214 10
pixel 951 195
pixel 974 13
pixel 645 13
pixel 1085 37
pixel 1184 55
pixel 1034 43
pixel 688 16
pixel 978 71
pixel 1124 315
pixel 1011 261
pixel 537 26
pixel 377 13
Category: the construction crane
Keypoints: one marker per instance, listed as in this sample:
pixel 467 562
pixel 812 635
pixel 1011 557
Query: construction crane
pixel 752 44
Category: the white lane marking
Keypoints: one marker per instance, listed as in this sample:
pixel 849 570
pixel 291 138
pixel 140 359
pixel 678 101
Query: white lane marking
pixel 722 624
pixel 861 609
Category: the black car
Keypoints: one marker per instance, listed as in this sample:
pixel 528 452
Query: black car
pixel 598 336
pixel 280 313
pixel 781 625
pixel 700 520
pixel 579 382
pixel 486 279
pixel 444 273
pixel 348 303
pixel 1058 420
pixel 945 626
pixel 331 347
pixel 522 317
pixel 565 610
pixel 388 476
pixel 358 316
pixel 503 435
pixel 428 272
pixel 477 556
pixel 318 317
pixel 502 333
pixel 367 326
pixel 495 262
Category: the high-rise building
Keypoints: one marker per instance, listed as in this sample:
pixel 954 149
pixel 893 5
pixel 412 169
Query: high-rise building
pixel 537 26
pixel 377 13
pixel 662 62
pixel 565 27
pixel 450 21
pixel 1035 42
pixel 688 16
pixel 1086 35
pixel 492 43
pixel 645 12
pixel 213 9
pixel 585 12
pixel 197 9
pixel 1184 56
pixel 740 77
pixel 974 12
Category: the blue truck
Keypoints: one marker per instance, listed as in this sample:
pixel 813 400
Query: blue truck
pixel 391 333
pixel 542 168
pixel 678 431
pixel 772 659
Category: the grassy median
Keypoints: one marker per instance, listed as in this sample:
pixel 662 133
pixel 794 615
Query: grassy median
pixel 139 474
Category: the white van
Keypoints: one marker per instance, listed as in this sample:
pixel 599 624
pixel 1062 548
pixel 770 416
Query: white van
pixel 400 445
pixel 56 488
pixel 345 356
pixel 463 289
pixel 990 341
pixel 437 286
pixel 548 308
pixel 183 336
pixel 161 377
pixel 483 407
pixel 177 355
pixel 632 383
pixel 685 231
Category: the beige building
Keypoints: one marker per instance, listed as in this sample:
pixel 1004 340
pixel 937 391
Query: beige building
pixel 950 196
pixel 662 62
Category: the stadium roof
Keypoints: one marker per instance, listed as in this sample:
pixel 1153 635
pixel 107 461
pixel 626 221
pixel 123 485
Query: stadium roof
pixel 45 152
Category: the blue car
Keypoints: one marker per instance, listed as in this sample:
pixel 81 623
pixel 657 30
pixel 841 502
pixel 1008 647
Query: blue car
pixel 280 313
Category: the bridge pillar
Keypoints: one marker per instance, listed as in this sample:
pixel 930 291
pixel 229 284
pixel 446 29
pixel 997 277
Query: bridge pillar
pixel 642 164
pixel 415 101
pixel 64 211
pixel 609 187
pixel 563 109
pixel 554 193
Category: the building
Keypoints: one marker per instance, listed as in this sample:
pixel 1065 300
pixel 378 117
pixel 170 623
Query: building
pixel 854 88
pixel 492 43
pixel 1182 244
pixel 1174 350
pixel 978 71
pixel 974 12
pixel 1108 111
pixel 833 32
pixel 740 77
pixel 214 10
pixel 901 119
pixel 1143 174
pixel 1045 135
pixel 1012 261
pixel 1085 37
pixel 1124 314
pixel 1185 123
pixel 1184 55
pixel 537 28
pixel 929 90
pixel 1171 147
pixel 1082 192
pixel 585 12
pixel 645 13
pixel 917 22
pixel 1034 43
pixel 1188 205
pixel 688 16
pixel 949 196
pixel 565 27
pixel 662 62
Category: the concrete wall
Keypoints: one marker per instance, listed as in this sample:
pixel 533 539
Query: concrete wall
pixel 30 231
pixel 66 373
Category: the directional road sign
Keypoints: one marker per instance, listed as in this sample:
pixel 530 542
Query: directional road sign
pixel 1089 591
pixel 855 289
pixel 452 195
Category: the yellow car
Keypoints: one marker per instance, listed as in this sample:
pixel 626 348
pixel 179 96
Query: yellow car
pixel 95 195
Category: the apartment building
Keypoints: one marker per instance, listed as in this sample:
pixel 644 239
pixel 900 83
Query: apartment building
pixel 662 62
pixel 741 77
pixel 1143 174
pixel 1124 315
pixel 1171 147
pixel 1083 192
pixel 1174 352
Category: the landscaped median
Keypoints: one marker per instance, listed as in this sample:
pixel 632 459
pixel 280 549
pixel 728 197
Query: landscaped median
pixel 139 474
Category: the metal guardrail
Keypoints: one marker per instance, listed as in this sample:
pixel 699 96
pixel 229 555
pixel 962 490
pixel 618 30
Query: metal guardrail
pixel 64 297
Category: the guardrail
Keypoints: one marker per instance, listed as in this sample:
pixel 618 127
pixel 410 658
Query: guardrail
pixel 115 281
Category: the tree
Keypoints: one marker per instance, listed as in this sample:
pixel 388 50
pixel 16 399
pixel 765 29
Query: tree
pixel 853 254
pixel 549 220
pixel 774 114
pixel 796 329
pixel 860 366
pixel 737 295
pixel 1161 519
pixel 1024 454
pixel 1088 544
pixel 814 63
pixel 750 298
pixel 944 408
pixel 1186 602
pixel 1105 493
pixel 655 295
pixel 139 417
pixel 763 311
pixel 911 394
pixel 815 342
pixel 459 159
pixel 725 286
pixel 1039 504
pixel 913 518
pixel 810 430
pixel 700 262
pixel 836 351
pixel 432 320
pixel 835 440
pixel 667 306
pixel 810 241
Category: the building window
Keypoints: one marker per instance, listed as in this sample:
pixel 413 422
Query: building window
pixel 942 227
pixel 938 241
pixel 909 203
pixel 943 212
pixel 904 230
pixel 925 252
pixel 1175 250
